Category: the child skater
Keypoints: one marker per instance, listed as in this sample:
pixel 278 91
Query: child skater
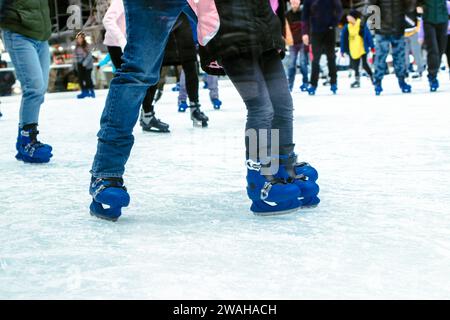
pixel 357 41
pixel 248 45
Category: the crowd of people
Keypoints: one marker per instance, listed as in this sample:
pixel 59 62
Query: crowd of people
pixel 144 37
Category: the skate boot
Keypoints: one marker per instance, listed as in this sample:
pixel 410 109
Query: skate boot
pixel 356 84
pixel 270 195
pixel 150 123
pixel 304 87
pixel 92 93
pixel 84 94
pixel 312 90
pixel 216 103
pixel 378 89
pixel 406 88
pixel 110 193
pixel 198 118
pixel 334 88
pixel 182 106
pixel 434 84
pixel 176 87
pixel 302 174
pixel 29 149
pixel 158 95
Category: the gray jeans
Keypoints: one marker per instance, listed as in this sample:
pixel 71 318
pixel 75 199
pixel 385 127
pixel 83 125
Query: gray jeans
pixel 213 86
pixel 413 46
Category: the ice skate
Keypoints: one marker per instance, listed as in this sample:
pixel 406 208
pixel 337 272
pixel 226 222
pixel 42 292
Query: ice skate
pixel 198 118
pixel 304 87
pixel 92 93
pixel 378 89
pixel 334 88
pixel 356 84
pixel 84 94
pixel 109 196
pixel 312 90
pixel 406 88
pixel 29 149
pixel 270 195
pixel 434 84
pixel 150 123
pixel 182 106
pixel 216 103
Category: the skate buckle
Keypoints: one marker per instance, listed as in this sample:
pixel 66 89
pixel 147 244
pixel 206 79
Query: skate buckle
pixel 266 190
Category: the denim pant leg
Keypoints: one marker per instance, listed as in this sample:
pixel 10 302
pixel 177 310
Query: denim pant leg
pixel 416 49
pixel 247 76
pixel 149 23
pixel 398 53
pixel 304 64
pixel 382 49
pixel 292 66
pixel 182 94
pixel 31 60
pixel 213 86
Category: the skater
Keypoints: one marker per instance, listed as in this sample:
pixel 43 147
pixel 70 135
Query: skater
pixel 249 45
pixel 391 33
pixel 142 64
pixel 115 40
pixel 26 41
pixel 211 83
pixel 84 64
pixel 320 19
pixel 7 80
pixel 297 49
pixel 413 43
pixel 435 25
pixel 357 42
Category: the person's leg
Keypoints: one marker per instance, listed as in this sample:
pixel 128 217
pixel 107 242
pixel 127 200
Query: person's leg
pixel 366 66
pixel 398 53
pixel 382 49
pixel 182 94
pixel 304 63
pixel 292 66
pixel 27 56
pixel 192 86
pixel 441 33
pixel 316 43
pixel 330 46
pixel 416 50
pixel 280 97
pixel 147 104
pixel 116 56
pixel 89 82
pixel 149 23
pixel 355 64
pixel 432 49
pixel 408 49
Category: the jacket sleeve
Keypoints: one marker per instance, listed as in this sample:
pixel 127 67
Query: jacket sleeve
pixel 110 22
pixel 306 16
pixel 368 37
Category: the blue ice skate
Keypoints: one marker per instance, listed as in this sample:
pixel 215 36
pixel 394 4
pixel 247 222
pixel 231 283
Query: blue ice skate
pixel 84 94
pixel 303 87
pixel 406 88
pixel 176 87
pixel 270 195
pixel 92 93
pixel 434 84
pixel 109 196
pixel 182 106
pixel 302 174
pixel 378 89
pixel 312 90
pixel 29 149
pixel 216 103
pixel 334 88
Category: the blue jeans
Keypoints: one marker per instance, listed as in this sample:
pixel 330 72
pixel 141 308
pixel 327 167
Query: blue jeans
pixel 294 52
pixel 31 60
pixel 149 23
pixel 383 44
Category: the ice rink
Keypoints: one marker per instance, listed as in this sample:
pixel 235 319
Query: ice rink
pixel 381 231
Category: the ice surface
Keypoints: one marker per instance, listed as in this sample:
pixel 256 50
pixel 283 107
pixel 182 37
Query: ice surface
pixel 382 230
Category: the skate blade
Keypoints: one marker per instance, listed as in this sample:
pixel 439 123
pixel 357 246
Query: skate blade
pixel 277 213
pixel 103 217
pixel 156 131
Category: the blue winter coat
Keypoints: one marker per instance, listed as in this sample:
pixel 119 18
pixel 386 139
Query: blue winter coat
pixel 365 34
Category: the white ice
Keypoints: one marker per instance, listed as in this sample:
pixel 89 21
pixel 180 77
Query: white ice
pixel 381 231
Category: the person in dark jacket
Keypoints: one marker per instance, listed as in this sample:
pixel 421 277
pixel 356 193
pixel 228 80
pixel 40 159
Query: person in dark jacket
pixel 391 33
pixel 249 46
pixel 297 48
pixel 435 25
pixel 7 80
pixel 26 29
pixel 320 19
pixel 357 41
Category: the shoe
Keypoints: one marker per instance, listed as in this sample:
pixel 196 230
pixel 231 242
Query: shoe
pixel 304 87
pixel 109 196
pixel 434 84
pixel 29 149
pixel 406 88
pixel 216 103
pixel 334 88
pixel 199 119
pixel 84 94
pixel 312 90
pixel 150 123
pixel 182 106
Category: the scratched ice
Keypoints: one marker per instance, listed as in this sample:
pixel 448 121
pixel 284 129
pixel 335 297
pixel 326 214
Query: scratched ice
pixel 382 230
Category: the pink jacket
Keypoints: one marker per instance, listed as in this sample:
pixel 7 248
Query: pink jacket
pixel 115 25
pixel 209 20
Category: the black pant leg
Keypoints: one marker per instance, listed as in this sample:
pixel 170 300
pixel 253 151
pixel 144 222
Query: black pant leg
pixel 317 50
pixel 191 73
pixel 116 56
pixel 330 50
